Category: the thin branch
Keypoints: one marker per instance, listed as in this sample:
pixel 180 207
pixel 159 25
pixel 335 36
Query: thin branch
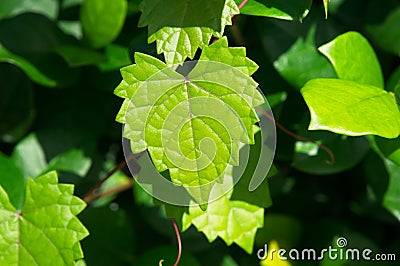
pixel 112 191
pixel 178 238
pixel 294 135
pixel 242 4
pixel 92 193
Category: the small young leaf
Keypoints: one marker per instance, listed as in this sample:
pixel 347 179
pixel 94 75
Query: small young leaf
pixel 350 108
pixel 354 59
pixel 233 221
pixel 181 27
pixel 102 20
pixel 288 9
pixel 46 231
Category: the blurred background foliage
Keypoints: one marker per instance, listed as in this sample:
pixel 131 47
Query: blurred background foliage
pixel 59 66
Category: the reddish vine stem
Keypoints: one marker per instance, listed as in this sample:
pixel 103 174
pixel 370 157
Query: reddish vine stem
pixel 242 4
pixel 178 238
pixel 294 135
pixel 91 194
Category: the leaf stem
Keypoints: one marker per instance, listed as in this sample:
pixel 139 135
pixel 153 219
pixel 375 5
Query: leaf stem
pixel 93 194
pixel 242 4
pixel 178 238
pixel 294 135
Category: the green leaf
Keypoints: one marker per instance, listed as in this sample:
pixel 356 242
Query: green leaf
pixel 274 99
pixel 79 56
pixel 387 34
pixel 170 114
pixel 261 196
pixel 233 221
pixel 28 155
pixel 73 161
pixel 105 247
pixel 310 158
pixel 38 58
pixel 72 28
pixel 32 71
pixel 288 10
pixel 12 181
pixel 390 148
pixel 102 20
pixel 303 62
pixel 16 103
pixel 354 59
pixel 350 108
pixel 391 198
pixel 47 219
pixel 394 80
pixel 117 57
pixel 70 3
pixel 181 27
pixel 12 8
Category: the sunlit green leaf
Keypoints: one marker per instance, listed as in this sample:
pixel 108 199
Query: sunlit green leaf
pixel 181 27
pixel 289 9
pixel 350 108
pixel 47 219
pixel 172 141
pixel 354 59
pixel 102 20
